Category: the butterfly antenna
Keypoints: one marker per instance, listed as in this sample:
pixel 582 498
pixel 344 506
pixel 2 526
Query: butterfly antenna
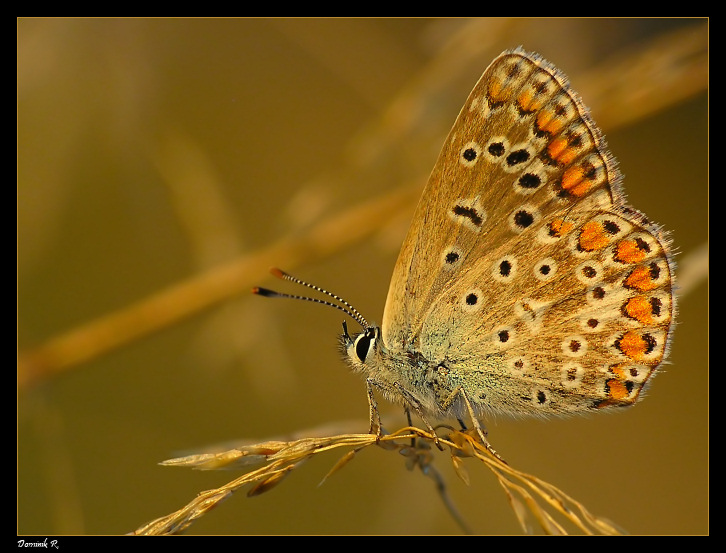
pixel 348 309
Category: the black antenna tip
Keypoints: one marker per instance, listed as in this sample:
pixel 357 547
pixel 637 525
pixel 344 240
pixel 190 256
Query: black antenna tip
pixel 264 292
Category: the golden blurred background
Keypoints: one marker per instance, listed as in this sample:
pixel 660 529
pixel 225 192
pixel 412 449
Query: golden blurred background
pixel 165 164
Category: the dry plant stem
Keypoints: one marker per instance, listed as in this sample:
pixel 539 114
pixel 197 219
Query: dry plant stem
pixel 527 495
pixel 553 496
pixel 279 456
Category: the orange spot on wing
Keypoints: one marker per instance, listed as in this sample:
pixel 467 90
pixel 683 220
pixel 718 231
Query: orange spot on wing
pixel 593 237
pixel 556 147
pixel 546 121
pixel 528 101
pixel 640 279
pixel 629 251
pixel 617 389
pixel 633 345
pixel 495 90
pixel 560 227
pixel 525 100
pixel 640 309
pixel 574 181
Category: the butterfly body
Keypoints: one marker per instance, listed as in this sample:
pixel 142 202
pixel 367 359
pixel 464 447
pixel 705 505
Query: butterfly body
pixel 419 378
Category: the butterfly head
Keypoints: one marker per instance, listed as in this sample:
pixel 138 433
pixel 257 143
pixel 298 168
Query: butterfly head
pixel 360 349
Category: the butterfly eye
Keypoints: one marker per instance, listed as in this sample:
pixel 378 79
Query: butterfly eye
pixel 365 343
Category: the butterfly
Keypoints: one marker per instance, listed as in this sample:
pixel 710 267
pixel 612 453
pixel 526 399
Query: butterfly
pixel 525 284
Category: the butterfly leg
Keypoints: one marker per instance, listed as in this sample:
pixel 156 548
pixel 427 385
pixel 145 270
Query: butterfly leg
pixel 459 391
pixel 409 399
pixel 416 404
pixel 407 410
pixel 477 426
pixel 373 414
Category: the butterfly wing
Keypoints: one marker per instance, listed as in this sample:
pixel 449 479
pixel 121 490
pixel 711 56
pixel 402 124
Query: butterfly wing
pixel 523 272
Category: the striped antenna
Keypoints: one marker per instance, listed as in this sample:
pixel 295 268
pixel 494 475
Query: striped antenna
pixel 348 309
